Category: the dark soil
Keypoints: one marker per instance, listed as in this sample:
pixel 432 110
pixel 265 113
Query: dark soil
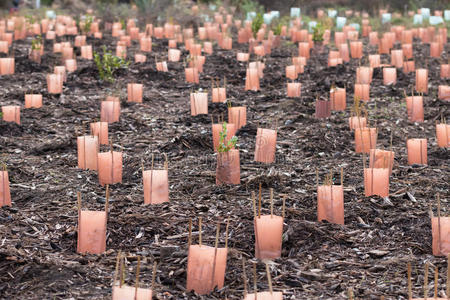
pixel 38 234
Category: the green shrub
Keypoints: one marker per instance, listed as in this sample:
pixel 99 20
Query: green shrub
pixel 223 145
pixel 108 64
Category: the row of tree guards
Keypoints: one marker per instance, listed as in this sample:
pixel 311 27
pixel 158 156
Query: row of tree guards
pixel 207 264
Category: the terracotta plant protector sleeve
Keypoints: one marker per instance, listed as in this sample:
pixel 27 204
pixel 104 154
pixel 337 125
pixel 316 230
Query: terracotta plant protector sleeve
pixel 323 109
pixel 414 107
pixel 417 151
pixel 219 95
pixel 252 80
pixel 332 211
pixel 265 296
pixel 134 92
pixel 217 128
pixel 269 230
pixel 91 232
pixel 11 113
pixel 200 269
pixel 110 111
pixel 376 182
pixel 156 186
pixel 100 129
pixel 109 168
pixel 443 135
pixel 338 99
pixel 293 89
pixel 365 139
pixel 87 148
pixel 228 169
pixel 443 236
pixel 354 123
pixel 5 194
pixel 266 140
pixel 381 159
pixel 33 101
pixel 237 115
pixel 127 292
pixel 199 103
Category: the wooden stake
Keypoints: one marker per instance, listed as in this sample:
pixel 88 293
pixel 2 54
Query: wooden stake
pixel 271 202
pixel 255 287
pixel 436 277
pixel 79 201
pixel 269 279
pixel 107 200
pixel 200 231
pixel 425 282
pixel 116 271
pixel 284 206
pixel 155 264
pixel 342 177
pixel 350 294
pixel 244 277
pixel 254 204
pixel 122 271
pixel 259 201
pixel 190 233
pixel 409 282
pixel 138 269
pixel 166 162
pixel 317 177
pixel 226 233
pixel 448 276
pixel 216 244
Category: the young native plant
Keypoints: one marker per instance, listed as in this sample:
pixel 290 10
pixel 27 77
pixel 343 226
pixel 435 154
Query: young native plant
pixel 257 23
pixel 224 145
pixel 108 64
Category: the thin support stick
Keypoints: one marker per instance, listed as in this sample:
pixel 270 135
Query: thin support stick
pixel 190 233
pixel 244 277
pixel 271 202
pixel 409 282
pixel 79 201
pixel 350 294
pixel 116 271
pixel 269 279
pixel 107 200
pixel 216 244
pixel 342 177
pixel 317 177
pixel 226 233
pixel 200 231
pixel 122 271
pixel 155 264
pixel 254 204
pixel 138 270
pixel 448 276
pixel 255 287
pixel 425 282
pixel 439 221
pixel 436 278
pixel 259 201
pixel 284 206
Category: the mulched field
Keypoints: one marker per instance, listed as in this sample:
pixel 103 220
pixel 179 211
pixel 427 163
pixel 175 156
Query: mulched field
pixel 38 234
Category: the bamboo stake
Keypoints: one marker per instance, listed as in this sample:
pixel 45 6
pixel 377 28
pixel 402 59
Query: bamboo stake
pixel 226 232
pixel 190 233
pixel 448 276
pixel 244 277
pixel 79 201
pixel 436 277
pixel 155 264
pixel 269 279
pixel 425 282
pixel 284 206
pixel 259 201
pixel 122 271
pixel 254 204
pixel 216 244
pixel 116 270
pixel 350 294
pixel 409 282
pixel 255 287
pixel 138 269
pixel 107 201
pixel 271 202
pixel 200 231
